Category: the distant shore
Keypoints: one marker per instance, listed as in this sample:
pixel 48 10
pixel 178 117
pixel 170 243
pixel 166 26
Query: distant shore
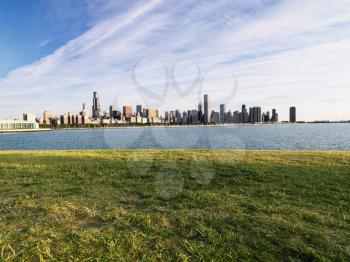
pixel 186 126
pixel 25 130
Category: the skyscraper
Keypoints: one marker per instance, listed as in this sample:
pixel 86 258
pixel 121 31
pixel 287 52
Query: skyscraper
pixel 207 109
pixel 274 117
pixel 200 112
pixel 139 110
pixel 222 113
pixel 244 114
pixel 255 114
pixel 96 106
pixel 111 109
pixel 127 111
pixel 292 114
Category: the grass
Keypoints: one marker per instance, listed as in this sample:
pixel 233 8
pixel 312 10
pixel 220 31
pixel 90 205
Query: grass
pixel 174 205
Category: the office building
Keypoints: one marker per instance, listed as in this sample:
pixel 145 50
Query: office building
pixel 85 113
pixel 222 113
pixel 274 117
pixel 292 114
pixel 255 115
pixel 29 117
pixel 200 112
pixel 47 117
pixel 207 109
pixel 111 110
pixel 244 115
pixel 139 110
pixel 127 111
pixel 214 117
pixel 96 106
pixel 151 112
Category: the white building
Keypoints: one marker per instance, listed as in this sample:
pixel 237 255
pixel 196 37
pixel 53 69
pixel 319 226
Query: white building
pixel 17 124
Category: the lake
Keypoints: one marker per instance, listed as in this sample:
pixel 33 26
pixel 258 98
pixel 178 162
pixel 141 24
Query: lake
pixel 252 137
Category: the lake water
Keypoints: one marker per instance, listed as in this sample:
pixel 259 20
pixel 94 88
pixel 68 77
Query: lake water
pixel 257 137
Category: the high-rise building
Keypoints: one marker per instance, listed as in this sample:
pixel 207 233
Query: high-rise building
pixel 214 117
pixel 29 117
pixel 127 111
pixel 96 106
pixel 244 115
pixel 207 109
pixel 200 112
pixel 274 117
pixel 111 110
pixel 151 112
pixel 292 114
pixel 139 110
pixel 85 113
pixel 255 114
pixel 222 113
pixel 47 117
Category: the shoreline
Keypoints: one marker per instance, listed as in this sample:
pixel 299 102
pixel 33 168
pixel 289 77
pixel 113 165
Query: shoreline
pixel 187 126
pixel 10 131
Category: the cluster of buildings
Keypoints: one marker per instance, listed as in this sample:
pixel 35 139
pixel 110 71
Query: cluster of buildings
pixel 203 114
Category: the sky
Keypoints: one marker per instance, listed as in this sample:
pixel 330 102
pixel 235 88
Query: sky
pixel 167 54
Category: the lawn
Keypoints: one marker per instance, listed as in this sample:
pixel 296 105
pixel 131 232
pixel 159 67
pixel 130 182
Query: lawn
pixel 174 205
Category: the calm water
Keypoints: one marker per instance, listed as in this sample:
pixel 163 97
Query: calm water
pixel 264 137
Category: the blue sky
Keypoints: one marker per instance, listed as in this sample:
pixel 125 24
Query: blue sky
pixel 272 53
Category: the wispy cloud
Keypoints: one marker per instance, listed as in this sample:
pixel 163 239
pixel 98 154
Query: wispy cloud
pixel 291 49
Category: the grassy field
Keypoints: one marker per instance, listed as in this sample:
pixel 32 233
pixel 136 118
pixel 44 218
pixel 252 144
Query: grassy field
pixel 174 205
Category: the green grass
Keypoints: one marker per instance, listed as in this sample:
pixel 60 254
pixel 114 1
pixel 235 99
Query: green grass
pixel 174 205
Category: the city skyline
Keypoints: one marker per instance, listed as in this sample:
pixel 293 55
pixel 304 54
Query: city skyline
pixel 125 114
pixel 116 46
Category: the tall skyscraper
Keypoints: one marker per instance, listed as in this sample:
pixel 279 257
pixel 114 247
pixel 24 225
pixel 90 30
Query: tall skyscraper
pixel 292 114
pixel 139 110
pixel 244 115
pixel 127 111
pixel 96 106
pixel 255 115
pixel 111 110
pixel 274 117
pixel 207 109
pixel 200 112
pixel 222 113
pixel 85 113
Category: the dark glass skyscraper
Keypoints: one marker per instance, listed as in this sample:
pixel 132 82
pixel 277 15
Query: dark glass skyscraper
pixel 96 106
pixel 292 114
pixel 207 109
pixel 223 113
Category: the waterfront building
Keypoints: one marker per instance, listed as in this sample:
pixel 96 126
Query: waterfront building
pixel 236 117
pixel 229 118
pixel 151 112
pixel 200 112
pixel 194 117
pixel 96 106
pixel 139 110
pixel 255 115
pixel 207 109
pixel 85 113
pixel 29 117
pixel 215 117
pixel 222 113
pixel 18 124
pixel 127 111
pixel 274 117
pixel 292 114
pixel 244 115
pixel 111 110
pixel 47 117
